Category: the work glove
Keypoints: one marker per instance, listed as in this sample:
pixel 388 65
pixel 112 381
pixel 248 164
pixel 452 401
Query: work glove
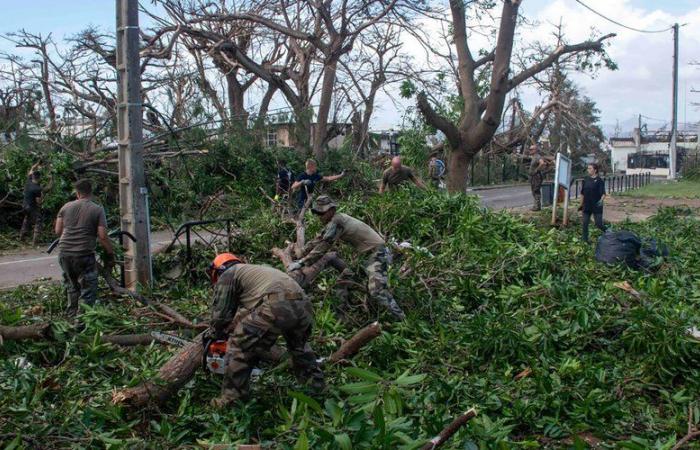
pixel 307 182
pixel 294 265
pixel 600 202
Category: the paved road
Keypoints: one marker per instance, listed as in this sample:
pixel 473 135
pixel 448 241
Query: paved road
pixel 505 197
pixel 30 265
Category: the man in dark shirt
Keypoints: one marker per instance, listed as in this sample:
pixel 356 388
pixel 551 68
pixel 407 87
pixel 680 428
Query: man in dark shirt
pixel 592 196
pixel 79 225
pixel 31 205
pixel 307 180
pixel 284 180
pixel 397 174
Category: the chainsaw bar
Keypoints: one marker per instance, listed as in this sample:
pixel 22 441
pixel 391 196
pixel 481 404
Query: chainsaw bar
pixel 169 339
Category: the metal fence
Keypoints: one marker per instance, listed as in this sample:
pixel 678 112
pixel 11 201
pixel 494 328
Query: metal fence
pixel 486 168
pixel 208 237
pixel 616 183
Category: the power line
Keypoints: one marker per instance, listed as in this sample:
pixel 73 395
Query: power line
pixel 618 23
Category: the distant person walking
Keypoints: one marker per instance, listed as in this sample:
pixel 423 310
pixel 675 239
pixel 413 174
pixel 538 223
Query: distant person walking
pixel 397 174
pixel 537 170
pixel 79 224
pixel 592 197
pixel 436 171
pixel 31 205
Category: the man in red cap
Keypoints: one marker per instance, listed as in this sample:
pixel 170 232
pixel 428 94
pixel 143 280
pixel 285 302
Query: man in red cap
pixel 253 305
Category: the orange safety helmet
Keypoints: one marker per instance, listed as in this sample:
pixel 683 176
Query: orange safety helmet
pixel 222 262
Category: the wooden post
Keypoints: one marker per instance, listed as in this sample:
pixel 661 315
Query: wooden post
pixel 556 191
pixel 132 201
pixel 565 220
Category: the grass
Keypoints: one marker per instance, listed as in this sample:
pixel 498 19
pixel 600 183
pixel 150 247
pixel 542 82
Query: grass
pixel 668 189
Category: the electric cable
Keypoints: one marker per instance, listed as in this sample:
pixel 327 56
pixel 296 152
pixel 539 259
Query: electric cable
pixel 618 23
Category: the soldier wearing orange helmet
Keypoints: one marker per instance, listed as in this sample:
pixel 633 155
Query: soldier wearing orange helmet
pixel 253 305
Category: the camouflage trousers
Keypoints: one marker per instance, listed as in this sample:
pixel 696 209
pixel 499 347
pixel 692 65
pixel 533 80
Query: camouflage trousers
pixel 32 218
pixel 258 330
pixel 80 279
pixel 376 266
pixel 536 181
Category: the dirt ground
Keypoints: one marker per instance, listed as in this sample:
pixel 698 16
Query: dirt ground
pixel 636 209
pixel 619 208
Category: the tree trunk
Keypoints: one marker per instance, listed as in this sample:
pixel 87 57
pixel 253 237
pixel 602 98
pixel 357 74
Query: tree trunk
pixel 53 126
pixel 302 129
pixel 236 99
pixel 171 377
pixel 324 107
pixel 458 170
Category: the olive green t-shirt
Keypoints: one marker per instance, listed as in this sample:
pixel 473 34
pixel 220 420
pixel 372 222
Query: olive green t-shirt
pixel 80 221
pixel 243 286
pixel 392 178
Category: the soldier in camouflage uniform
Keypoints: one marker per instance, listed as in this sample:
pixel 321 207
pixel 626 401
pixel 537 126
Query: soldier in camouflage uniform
pixel 537 168
pixel 364 239
pixel 253 305
pixel 79 225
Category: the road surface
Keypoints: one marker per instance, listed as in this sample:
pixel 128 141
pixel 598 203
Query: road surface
pixel 31 265
pixel 505 197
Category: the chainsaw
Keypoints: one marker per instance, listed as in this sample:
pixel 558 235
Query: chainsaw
pixel 214 355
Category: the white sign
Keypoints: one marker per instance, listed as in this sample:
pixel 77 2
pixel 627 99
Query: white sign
pixel 563 171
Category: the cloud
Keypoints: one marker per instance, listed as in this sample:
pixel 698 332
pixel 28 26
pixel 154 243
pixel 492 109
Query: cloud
pixel 643 83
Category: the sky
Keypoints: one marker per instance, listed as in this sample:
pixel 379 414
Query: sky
pixel 642 85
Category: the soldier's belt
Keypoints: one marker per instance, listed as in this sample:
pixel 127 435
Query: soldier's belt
pixel 290 296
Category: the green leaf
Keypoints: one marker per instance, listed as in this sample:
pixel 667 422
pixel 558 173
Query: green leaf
pixel 409 380
pixel 302 442
pixel 364 374
pixel 343 441
pixel 360 388
pixel 308 401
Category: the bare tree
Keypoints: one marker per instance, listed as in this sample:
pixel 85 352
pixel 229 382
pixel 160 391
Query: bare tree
pixel 376 63
pixel 480 112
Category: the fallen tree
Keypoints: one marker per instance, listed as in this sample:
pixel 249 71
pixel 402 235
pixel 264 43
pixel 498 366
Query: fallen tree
pixel 170 378
pixel 34 332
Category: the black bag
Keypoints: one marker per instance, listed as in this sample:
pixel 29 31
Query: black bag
pixel 618 247
pixel 626 247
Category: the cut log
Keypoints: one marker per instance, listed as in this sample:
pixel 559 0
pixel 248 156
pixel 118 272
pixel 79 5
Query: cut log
pixel 450 430
pixel 171 377
pixel 128 340
pixel 35 332
pixel 355 343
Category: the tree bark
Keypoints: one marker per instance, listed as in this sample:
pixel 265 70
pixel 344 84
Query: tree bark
pixel 236 99
pixel 450 430
pixel 128 340
pixel 171 377
pixel 355 343
pixel 324 107
pixel 35 332
pixel 458 169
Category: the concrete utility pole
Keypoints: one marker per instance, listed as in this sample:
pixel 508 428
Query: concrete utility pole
pixel 132 187
pixel 674 114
